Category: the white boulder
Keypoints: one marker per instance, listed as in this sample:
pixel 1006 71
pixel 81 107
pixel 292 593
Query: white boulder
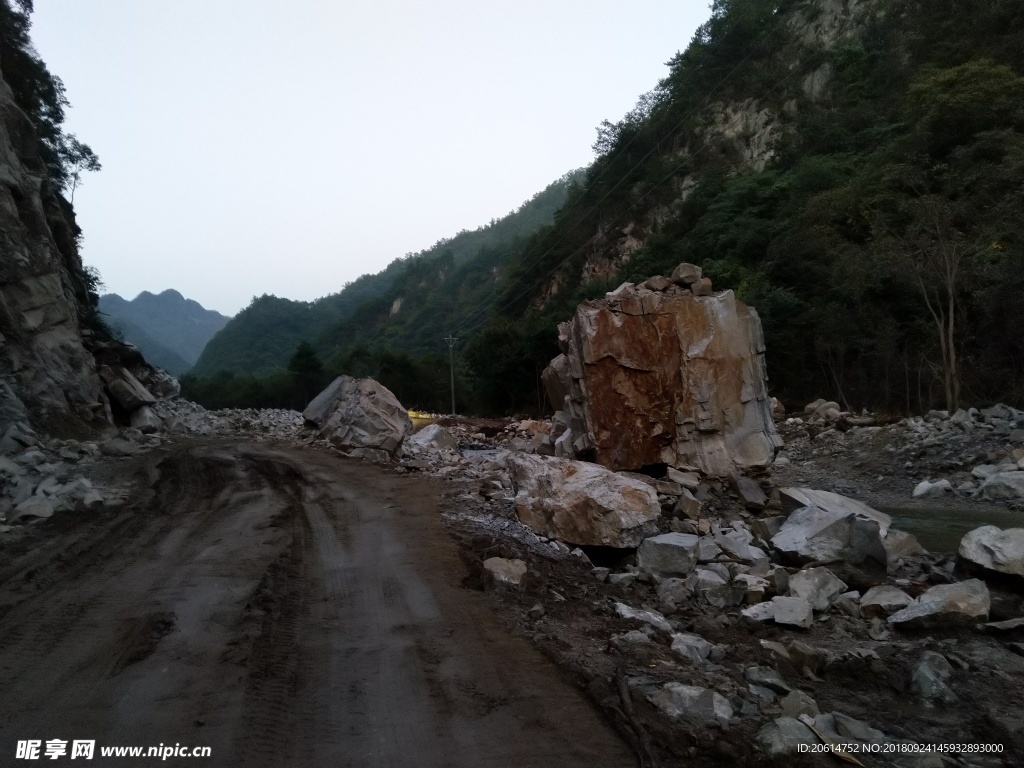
pixel 818 586
pixel 582 503
pixel 883 600
pixel 432 437
pixel 995 549
pixel 504 572
pixel 946 604
pixel 812 533
pixel 359 414
pixel 651 618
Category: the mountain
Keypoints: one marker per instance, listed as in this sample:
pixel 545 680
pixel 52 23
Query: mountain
pixel 854 169
pixel 47 373
pixel 171 331
pixel 408 307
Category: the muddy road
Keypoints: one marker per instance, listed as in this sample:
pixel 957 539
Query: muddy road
pixel 283 608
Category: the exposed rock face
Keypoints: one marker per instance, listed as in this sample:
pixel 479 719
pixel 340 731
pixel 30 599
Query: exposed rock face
pixel 357 414
pixel 664 377
pixel 581 503
pixel 45 371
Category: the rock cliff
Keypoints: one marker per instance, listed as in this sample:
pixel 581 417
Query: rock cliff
pixel 46 373
pixel 664 372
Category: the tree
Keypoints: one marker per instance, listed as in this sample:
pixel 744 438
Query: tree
pixel 307 372
pixel 951 105
pixel 77 158
pixel 41 95
pixel 937 240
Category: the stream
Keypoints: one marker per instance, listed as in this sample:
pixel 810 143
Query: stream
pixel 939 529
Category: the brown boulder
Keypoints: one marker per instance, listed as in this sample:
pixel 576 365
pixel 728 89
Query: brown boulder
pixel 664 377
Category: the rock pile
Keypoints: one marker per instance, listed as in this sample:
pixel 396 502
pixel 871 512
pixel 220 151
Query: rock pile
pixel 974 454
pixel 183 417
pixel 40 477
pixel 663 372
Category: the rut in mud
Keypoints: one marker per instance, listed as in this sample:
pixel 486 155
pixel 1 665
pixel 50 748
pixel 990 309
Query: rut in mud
pixel 284 608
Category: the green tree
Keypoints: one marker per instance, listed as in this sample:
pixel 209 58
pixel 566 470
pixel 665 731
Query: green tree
pixel 77 158
pixel 955 103
pixel 307 372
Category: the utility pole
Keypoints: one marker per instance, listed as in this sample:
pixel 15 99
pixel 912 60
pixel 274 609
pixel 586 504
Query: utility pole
pixel 451 364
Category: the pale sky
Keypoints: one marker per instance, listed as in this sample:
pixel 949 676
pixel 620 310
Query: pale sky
pixel 254 147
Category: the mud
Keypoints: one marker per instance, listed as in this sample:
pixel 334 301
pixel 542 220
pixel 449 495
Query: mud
pixel 283 607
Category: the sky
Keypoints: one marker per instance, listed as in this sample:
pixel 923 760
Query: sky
pixel 253 147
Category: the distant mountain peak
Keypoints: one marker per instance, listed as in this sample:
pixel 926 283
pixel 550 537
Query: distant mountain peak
pixel 171 331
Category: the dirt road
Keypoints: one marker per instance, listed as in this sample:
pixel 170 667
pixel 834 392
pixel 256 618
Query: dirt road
pixel 284 608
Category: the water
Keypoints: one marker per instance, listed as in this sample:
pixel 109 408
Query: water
pixel 939 529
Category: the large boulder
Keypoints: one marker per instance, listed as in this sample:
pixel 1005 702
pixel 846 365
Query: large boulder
pixel 125 389
pixel 356 414
pixel 656 374
pixel 812 534
pixel 581 503
pixel 994 549
pixel 883 600
pixel 791 611
pixel 818 586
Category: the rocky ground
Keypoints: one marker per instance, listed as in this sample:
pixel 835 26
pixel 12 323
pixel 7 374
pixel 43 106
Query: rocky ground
pixel 692 680
pixel 702 666
pixel 946 460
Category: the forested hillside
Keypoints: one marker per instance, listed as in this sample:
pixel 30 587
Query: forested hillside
pixel 389 325
pixel 854 169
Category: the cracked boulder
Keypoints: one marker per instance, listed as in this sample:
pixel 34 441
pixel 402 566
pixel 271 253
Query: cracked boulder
pixel 125 389
pixel 827 535
pixel 581 503
pixel 359 414
pixel 656 374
